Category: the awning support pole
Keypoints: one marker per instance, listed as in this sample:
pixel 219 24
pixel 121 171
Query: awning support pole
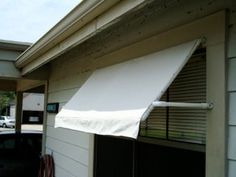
pixel 206 106
pixel 183 105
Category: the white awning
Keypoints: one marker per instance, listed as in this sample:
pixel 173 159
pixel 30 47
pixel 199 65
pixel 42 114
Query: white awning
pixel 114 99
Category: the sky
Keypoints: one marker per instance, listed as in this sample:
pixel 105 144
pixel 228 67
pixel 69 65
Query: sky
pixel 28 20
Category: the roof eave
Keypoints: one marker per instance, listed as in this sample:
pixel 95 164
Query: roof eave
pixel 14 45
pixel 78 26
pixel 76 19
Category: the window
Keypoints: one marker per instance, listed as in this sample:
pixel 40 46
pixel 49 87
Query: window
pixel 182 124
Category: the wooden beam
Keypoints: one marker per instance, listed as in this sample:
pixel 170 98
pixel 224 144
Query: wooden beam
pixel 7 85
pixel 27 84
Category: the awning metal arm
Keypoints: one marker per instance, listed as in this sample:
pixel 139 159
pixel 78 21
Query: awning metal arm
pixel 183 105
pixel 206 106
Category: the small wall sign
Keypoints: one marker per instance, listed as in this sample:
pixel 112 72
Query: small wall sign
pixel 52 107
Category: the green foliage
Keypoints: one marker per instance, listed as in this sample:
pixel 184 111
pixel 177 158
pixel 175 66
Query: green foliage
pixel 5 99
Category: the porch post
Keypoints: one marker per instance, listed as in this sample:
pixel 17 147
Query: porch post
pixel 19 102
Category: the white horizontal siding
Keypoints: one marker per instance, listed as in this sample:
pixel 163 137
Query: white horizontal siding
pixel 232 168
pixel 69 136
pixel 232 40
pixel 231 54
pixel 67 165
pixel 232 143
pixel 70 165
pixel 59 172
pixel 71 151
pixel 232 106
pixel 232 74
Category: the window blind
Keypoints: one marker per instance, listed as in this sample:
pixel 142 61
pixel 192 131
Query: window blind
pixel 181 124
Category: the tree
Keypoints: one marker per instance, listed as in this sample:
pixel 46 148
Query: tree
pixel 5 99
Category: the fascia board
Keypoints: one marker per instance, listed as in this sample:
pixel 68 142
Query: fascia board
pixel 14 45
pixel 8 70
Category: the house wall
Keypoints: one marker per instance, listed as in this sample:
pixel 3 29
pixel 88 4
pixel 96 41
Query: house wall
pixel 73 150
pixel 231 61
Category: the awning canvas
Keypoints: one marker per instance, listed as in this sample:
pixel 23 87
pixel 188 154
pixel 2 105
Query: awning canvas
pixel 114 99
